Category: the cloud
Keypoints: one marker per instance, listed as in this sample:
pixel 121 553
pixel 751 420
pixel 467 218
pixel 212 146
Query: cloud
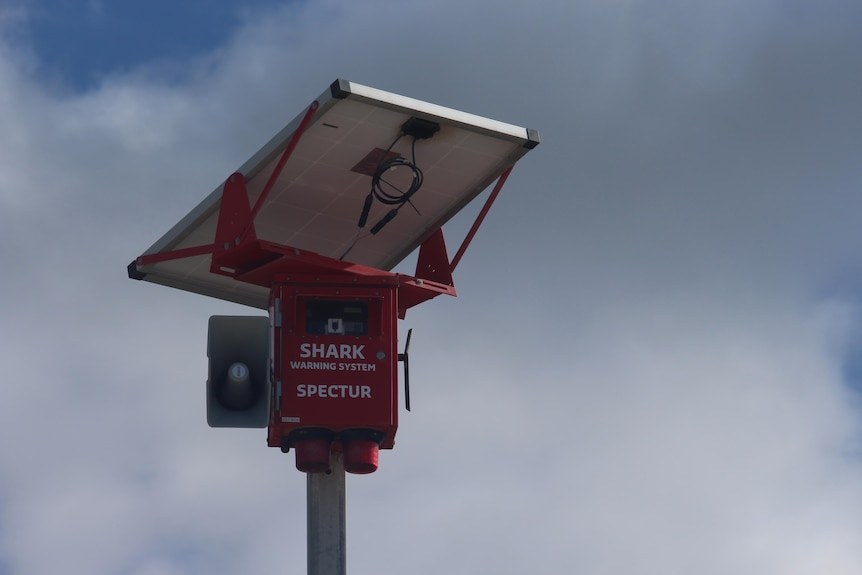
pixel 643 371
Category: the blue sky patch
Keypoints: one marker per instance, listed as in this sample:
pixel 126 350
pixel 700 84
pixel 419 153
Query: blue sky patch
pixel 80 42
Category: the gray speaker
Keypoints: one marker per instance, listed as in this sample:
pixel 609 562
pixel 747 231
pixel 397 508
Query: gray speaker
pixel 238 384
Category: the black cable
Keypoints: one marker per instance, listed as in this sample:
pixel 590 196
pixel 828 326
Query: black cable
pixel 392 195
pixel 401 197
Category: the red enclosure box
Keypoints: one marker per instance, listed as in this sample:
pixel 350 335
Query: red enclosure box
pixel 335 361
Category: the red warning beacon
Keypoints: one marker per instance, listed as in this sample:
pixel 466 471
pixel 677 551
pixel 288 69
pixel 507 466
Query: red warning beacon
pixel 309 229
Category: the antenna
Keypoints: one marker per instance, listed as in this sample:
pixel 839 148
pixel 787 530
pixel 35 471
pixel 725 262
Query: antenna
pixel 405 358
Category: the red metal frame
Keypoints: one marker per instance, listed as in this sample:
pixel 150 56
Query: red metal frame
pixel 479 219
pixel 238 253
pixel 288 151
pixel 174 254
pixel 238 216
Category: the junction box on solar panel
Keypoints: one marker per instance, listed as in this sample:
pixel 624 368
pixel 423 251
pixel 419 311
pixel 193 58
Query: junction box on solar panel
pixel 309 229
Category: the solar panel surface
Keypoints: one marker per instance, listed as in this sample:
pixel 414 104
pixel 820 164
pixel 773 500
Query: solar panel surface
pixel 316 202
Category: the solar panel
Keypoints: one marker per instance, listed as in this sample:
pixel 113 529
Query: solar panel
pixel 319 197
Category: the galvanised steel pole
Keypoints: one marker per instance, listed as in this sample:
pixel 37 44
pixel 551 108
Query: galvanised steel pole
pixel 327 530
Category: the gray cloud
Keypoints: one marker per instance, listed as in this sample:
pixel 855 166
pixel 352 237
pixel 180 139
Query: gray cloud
pixel 642 373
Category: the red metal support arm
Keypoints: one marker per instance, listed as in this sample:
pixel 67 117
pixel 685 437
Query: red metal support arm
pixel 157 257
pixel 469 237
pixel 294 139
pixel 147 259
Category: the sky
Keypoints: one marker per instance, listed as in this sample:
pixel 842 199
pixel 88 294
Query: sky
pixel 653 365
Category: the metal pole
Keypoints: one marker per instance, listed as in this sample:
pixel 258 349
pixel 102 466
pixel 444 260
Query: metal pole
pixel 327 547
